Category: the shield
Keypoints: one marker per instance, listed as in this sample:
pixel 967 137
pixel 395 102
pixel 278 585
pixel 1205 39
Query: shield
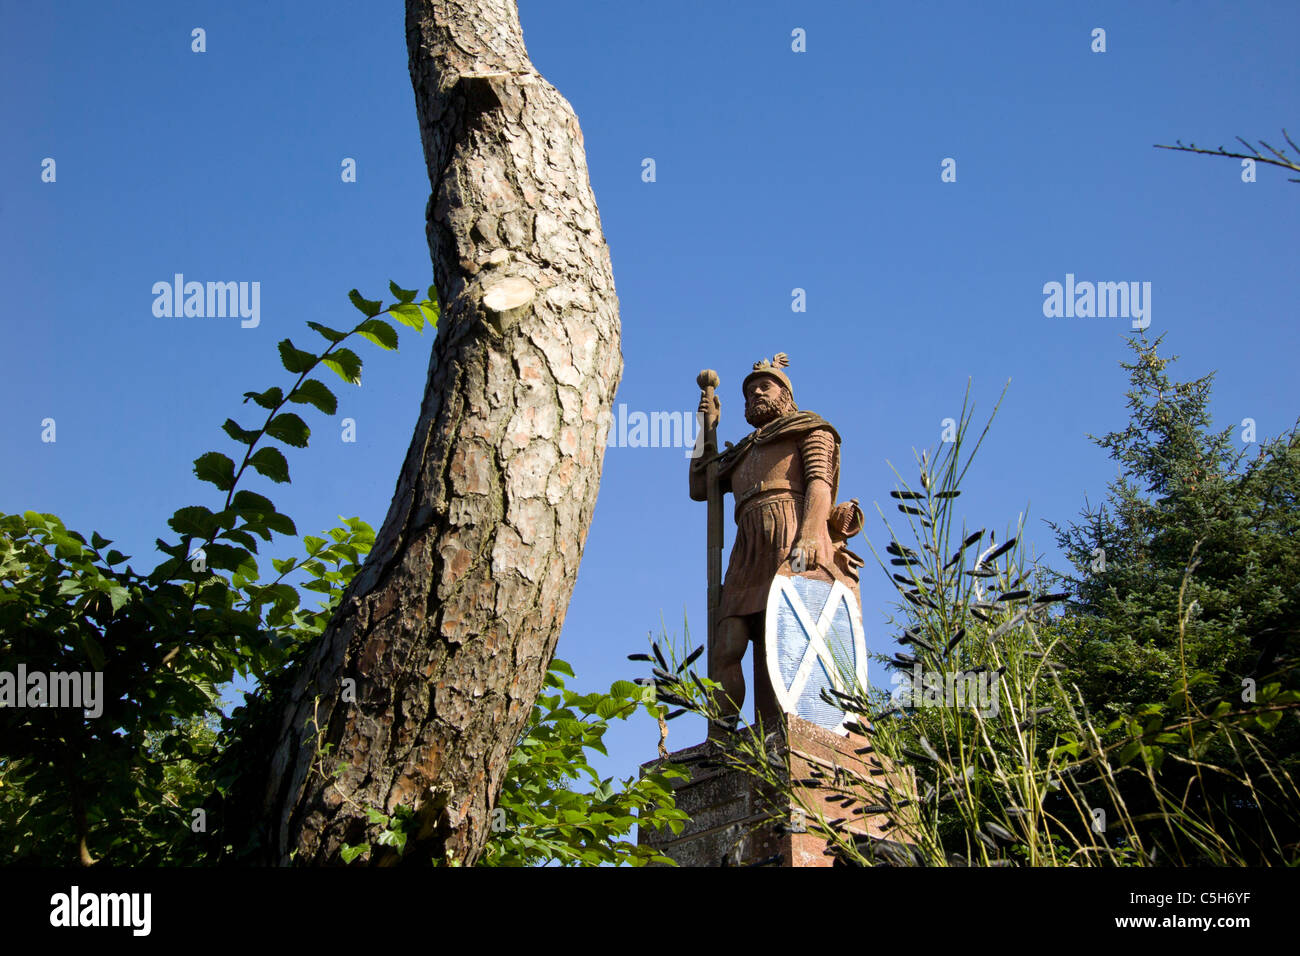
pixel 815 642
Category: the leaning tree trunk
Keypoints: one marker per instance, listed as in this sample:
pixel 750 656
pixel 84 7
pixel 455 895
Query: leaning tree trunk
pixel 448 629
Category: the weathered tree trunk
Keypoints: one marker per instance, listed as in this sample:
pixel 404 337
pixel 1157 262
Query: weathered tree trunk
pixel 452 622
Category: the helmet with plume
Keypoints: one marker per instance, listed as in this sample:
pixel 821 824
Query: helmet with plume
pixel 772 369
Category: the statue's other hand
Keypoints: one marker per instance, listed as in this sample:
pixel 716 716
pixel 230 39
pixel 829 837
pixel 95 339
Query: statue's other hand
pixel 804 554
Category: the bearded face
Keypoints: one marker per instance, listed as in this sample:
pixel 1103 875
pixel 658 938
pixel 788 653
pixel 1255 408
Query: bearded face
pixel 766 400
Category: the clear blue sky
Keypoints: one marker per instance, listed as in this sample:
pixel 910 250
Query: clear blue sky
pixel 775 170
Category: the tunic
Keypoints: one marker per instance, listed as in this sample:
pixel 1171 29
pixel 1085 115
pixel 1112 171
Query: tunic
pixel 768 474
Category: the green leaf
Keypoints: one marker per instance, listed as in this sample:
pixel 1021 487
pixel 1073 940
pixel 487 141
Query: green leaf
pixel 253 526
pixel 98 541
pixel 344 363
pixel 268 399
pixel 625 689
pixel 93 651
pixel 368 308
pixel 216 468
pixel 115 557
pixel 290 429
pixel 350 853
pixel 330 335
pixel 232 428
pixel 239 536
pixel 379 332
pixel 281 523
pixel 196 521
pixel 314 392
pixel 1269 719
pixel 119 596
pixel 286 598
pixel 561 666
pixel 409 314
pixel 223 557
pixel 293 359
pixel 174 550
pixel 271 463
pixel 251 503
pixel 610 707
pixel 570 727
pixel 401 295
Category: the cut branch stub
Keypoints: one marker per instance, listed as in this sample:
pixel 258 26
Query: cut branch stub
pixel 505 300
pixel 505 295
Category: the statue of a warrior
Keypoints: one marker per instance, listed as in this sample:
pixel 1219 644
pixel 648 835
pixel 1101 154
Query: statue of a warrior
pixel 784 477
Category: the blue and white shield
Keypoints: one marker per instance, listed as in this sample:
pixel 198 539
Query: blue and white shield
pixel 814 642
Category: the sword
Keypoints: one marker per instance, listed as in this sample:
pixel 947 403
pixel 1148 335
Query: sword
pixel 707 380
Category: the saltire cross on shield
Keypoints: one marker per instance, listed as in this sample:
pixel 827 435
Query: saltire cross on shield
pixel 814 642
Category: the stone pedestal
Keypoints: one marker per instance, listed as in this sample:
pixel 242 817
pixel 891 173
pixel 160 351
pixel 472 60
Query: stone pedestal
pixel 737 820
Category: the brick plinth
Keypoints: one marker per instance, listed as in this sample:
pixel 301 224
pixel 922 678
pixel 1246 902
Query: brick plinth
pixel 737 821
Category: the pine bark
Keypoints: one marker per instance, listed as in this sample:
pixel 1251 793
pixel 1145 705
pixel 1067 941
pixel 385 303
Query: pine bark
pixel 448 629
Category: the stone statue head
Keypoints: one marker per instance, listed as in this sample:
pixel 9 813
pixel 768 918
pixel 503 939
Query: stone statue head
pixel 768 393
